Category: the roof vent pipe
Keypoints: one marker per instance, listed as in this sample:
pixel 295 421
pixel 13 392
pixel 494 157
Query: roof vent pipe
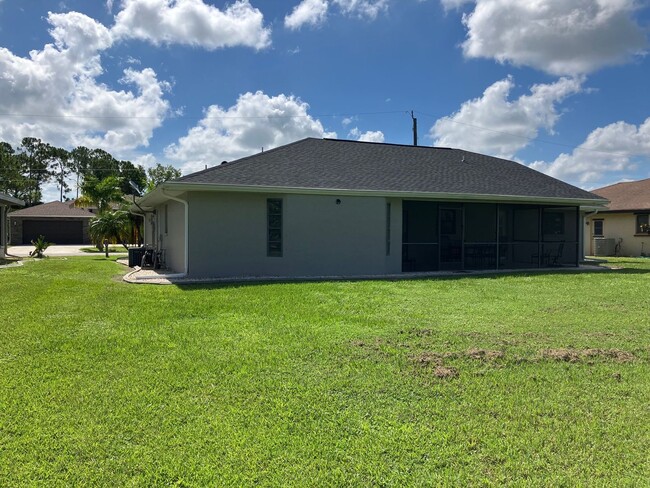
pixel 415 129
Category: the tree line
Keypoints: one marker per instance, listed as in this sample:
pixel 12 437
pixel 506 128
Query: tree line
pixel 26 168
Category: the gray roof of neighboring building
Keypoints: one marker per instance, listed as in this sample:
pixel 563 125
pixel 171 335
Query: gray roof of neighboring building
pixel 349 165
pixel 7 200
pixel 53 210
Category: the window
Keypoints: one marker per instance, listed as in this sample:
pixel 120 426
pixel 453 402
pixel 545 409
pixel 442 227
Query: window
pixel 643 224
pixel 598 228
pixel 388 229
pixel 274 227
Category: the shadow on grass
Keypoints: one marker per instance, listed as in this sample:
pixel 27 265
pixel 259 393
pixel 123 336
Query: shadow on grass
pixel 451 277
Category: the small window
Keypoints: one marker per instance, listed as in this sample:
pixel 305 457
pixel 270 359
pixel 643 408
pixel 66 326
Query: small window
pixel 274 227
pixel 643 224
pixel 388 229
pixel 598 228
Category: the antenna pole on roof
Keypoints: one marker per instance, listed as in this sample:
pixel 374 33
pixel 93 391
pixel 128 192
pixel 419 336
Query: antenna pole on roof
pixel 415 129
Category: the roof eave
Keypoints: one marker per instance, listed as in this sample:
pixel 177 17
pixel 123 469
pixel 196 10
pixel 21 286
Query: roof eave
pixel 15 215
pixel 627 210
pixel 11 200
pixel 157 196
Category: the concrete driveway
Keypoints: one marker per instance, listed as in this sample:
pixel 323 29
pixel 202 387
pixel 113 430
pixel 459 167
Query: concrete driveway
pixel 23 251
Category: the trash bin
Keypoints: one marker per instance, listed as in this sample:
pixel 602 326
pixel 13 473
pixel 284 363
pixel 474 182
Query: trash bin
pixel 135 256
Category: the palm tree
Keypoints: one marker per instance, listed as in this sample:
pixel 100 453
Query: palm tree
pixel 100 193
pixel 112 226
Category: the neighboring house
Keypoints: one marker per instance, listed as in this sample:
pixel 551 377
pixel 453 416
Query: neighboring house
pixel 6 202
pixel 627 217
pixel 58 222
pixel 322 207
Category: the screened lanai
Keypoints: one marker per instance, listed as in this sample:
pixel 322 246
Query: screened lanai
pixel 458 236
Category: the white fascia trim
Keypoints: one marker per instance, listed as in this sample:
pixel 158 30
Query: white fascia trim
pixel 14 216
pixel 184 187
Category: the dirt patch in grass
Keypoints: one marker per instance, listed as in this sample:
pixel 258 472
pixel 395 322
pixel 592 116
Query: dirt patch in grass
pixel 419 332
pixel 447 363
pixel 445 372
pixel 371 343
pixel 574 355
pixel 484 354
pixel 427 359
pixel 436 360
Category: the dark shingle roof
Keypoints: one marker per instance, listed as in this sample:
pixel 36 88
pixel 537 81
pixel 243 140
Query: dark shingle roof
pixel 351 165
pixel 633 195
pixel 52 210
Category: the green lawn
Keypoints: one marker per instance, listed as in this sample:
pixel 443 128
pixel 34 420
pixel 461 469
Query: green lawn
pixel 110 249
pixel 530 380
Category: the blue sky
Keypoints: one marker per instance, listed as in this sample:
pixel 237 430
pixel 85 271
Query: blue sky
pixel 559 85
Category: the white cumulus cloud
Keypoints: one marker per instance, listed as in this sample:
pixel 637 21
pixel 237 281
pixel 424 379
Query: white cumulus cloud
pixel 452 4
pixel 54 93
pixel 312 12
pixel 362 8
pixel 562 37
pixel 256 121
pixel 192 22
pixel 494 124
pixel 147 160
pixel 368 136
pixel 608 154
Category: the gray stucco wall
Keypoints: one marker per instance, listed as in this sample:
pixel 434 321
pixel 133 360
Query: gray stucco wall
pixel 320 237
pixel 170 232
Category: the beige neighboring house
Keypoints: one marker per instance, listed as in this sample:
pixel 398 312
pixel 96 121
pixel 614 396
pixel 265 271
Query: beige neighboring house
pixel 6 202
pixel 622 228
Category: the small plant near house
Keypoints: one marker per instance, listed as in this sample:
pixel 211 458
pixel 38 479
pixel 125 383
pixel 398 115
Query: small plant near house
pixel 110 226
pixel 40 245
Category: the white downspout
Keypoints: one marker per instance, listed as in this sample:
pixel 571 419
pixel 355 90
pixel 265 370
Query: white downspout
pixel 584 220
pixel 187 235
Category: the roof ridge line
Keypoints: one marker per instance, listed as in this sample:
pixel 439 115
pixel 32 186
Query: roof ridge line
pixel 332 139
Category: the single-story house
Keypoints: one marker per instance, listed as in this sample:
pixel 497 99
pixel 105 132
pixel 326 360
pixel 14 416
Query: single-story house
pixel 58 222
pixel 623 227
pixel 6 202
pixel 324 207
